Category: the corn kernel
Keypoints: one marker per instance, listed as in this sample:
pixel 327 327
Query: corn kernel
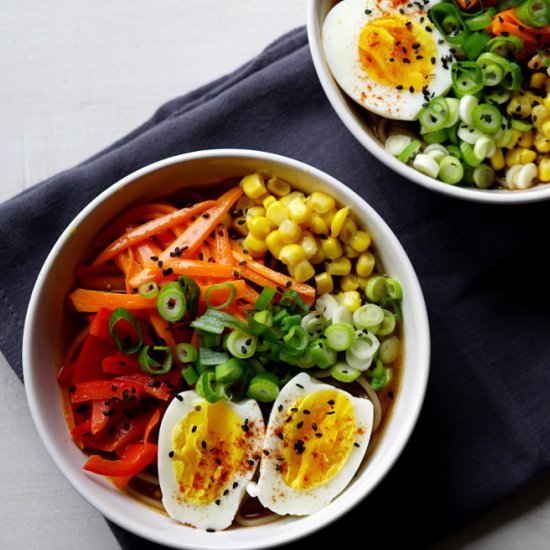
pixel 349 282
pixel 277 213
pixel 239 226
pixel 256 247
pixel 278 187
pixel 253 186
pixel 309 244
pixel 290 231
pixel 318 225
pixel 299 211
pixel 338 221
pixel 321 202
pixel 319 256
pixel 324 283
pixel 526 139
pixel 349 228
pixel 546 101
pixel 360 241
pixel 365 264
pixel 259 226
pixel 542 144
pixel 268 201
pixel 520 155
pixel 544 169
pixel 291 254
pixel 519 106
pixel 350 252
pixel 255 212
pixel 497 160
pixel 329 216
pixel 538 81
pixel 293 195
pixel 362 282
pixel 332 248
pixel 545 129
pixel 274 243
pixel 302 271
pixel 351 299
pixel 539 115
pixel 339 266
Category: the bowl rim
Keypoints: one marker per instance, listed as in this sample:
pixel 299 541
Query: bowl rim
pixel 338 100
pixel 308 524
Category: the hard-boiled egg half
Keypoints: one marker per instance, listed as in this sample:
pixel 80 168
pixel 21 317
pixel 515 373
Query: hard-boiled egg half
pixel 316 438
pixel 387 55
pixel 208 452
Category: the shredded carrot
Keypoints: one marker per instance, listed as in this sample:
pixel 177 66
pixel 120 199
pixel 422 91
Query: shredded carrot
pixel 507 23
pixel 467 4
pixel 163 332
pixel 222 247
pixel 278 280
pixel 93 300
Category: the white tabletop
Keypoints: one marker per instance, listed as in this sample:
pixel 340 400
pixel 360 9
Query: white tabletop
pixel 75 77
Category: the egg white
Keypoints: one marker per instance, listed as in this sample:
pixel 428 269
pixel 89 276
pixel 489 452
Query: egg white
pixel 340 36
pixel 272 491
pixel 210 516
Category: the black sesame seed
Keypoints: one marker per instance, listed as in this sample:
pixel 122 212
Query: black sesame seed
pixel 250 462
pixel 193 429
pixel 203 444
pixel 235 485
pixel 171 454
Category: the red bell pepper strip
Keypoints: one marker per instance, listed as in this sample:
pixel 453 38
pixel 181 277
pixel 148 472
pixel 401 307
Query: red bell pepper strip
pixel 135 458
pixel 100 324
pixel 88 366
pixel 119 363
pixel 99 419
pixel 106 389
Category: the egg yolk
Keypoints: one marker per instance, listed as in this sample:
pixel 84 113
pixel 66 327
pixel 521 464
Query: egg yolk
pixel 209 446
pixel 317 438
pixel 398 52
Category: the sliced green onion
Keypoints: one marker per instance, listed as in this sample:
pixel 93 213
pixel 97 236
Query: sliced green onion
pixel 485 147
pixel 240 344
pixel 475 44
pixel 206 390
pixel 489 58
pixel 535 13
pixel 148 290
pixel 342 314
pixel 469 156
pixel 450 169
pixel 369 316
pixel 394 304
pixel 323 356
pixel 290 321
pixel 126 344
pixel 279 316
pixel 481 21
pixel 230 371
pixel 186 353
pixel 362 350
pixel 192 293
pixel 505 45
pixel 449 22
pixel 390 350
pixel 314 324
pixel 454 151
pixel 264 387
pixel 520 125
pixel 171 302
pixel 435 137
pixel 486 118
pixel 394 288
pixel 493 74
pixel 339 336
pixel 484 176
pixel 375 289
pixel 469 134
pixel 467 78
pixel 211 357
pixel 388 324
pixel 265 297
pixel 497 95
pixel 512 78
pixel 291 300
pixel 297 338
pixel 264 317
pixel 502 5
pixel 344 373
pixel 435 116
pixel 306 360
pixel 412 148
pixel 380 376
pixel 215 321
pixel 190 375
pixel 230 288
pixel 209 340
pixel 148 362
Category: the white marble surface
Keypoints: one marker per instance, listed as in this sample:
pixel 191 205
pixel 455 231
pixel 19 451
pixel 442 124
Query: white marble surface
pixel 75 76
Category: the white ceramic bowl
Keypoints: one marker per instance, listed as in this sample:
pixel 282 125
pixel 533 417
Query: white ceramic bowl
pixel 353 117
pixel 42 336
